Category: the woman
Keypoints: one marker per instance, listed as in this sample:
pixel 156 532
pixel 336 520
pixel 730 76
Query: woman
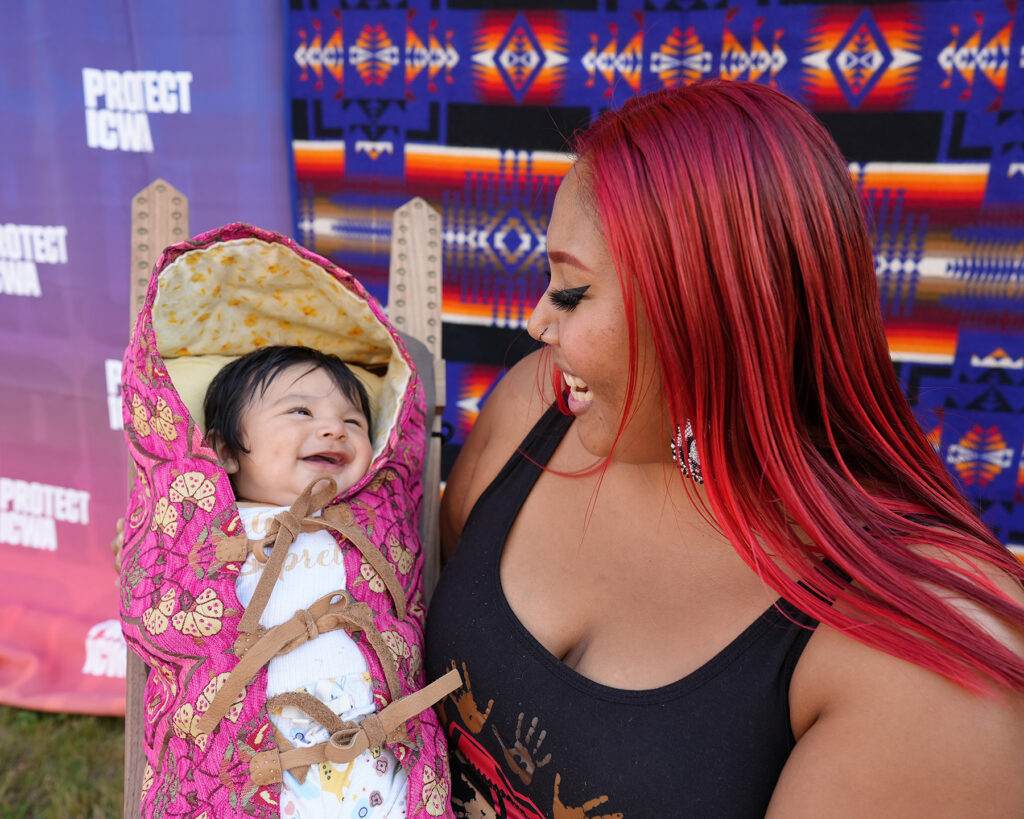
pixel 795 616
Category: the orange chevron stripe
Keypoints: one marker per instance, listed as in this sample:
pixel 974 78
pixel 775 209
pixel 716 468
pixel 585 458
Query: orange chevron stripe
pixel 426 166
pixel 907 338
pixel 319 160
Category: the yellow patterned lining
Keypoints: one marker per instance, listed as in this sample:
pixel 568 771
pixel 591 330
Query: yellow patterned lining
pixel 236 296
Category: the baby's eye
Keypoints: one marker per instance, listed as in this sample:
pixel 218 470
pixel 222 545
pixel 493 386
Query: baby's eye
pixel 357 422
pixel 567 299
pixel 300 411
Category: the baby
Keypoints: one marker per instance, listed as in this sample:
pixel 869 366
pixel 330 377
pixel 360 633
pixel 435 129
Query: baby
pixel 281 417
pixel 285 422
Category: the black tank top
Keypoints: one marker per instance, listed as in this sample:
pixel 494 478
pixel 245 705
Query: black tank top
pixel 531 737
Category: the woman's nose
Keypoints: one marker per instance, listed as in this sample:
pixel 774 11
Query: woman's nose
pixel 540 325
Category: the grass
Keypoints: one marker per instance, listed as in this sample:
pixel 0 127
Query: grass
pixel 60 766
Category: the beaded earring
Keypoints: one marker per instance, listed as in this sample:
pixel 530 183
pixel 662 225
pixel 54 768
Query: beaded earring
pixel 684 452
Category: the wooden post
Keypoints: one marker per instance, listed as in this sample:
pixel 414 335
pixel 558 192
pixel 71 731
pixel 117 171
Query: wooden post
pixel 159 218
pixel 414 307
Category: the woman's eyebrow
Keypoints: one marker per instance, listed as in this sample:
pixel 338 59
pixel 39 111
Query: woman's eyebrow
pixel 561 257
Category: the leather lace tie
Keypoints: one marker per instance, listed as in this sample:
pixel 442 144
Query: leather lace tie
pixel 348 739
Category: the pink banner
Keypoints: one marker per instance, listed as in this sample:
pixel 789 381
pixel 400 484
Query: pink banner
pixel 98 99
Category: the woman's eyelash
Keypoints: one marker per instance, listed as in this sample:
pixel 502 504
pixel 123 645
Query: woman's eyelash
pixel 569 298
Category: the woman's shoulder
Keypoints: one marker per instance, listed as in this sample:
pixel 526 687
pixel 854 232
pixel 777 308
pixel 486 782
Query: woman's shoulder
pixel 515 404
pixel 878 734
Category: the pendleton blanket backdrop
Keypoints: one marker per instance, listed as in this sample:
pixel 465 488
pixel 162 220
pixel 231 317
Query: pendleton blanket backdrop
pixel 466 104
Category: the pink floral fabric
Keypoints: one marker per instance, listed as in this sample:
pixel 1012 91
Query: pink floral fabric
pixel 179 609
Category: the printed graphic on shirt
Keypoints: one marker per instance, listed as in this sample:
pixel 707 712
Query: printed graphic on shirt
pixel 519 756
pixel 22 249
pixel 118 104
pixel 485 789
pixel 470 714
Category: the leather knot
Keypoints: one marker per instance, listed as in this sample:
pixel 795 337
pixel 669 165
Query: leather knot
pixel 283 531
pixel 290 522
pixel 307 620
pixel 376 733
pixel 345 737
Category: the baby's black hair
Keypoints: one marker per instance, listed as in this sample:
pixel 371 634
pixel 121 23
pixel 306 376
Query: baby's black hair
pixel 244 378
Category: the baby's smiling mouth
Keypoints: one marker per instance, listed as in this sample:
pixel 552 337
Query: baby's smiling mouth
pixel 332 458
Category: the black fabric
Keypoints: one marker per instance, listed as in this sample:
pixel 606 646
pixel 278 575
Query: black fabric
pixel 532 737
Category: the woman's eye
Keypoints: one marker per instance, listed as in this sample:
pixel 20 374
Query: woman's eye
pixel 567 299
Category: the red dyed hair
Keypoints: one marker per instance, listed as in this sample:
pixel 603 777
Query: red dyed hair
pixel 734 225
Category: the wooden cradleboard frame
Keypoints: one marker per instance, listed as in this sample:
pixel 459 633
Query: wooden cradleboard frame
pixel 160 217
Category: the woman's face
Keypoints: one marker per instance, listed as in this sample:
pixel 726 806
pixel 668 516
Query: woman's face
pixel 582 319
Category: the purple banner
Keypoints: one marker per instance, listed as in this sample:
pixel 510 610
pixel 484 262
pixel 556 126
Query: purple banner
pixel 98 99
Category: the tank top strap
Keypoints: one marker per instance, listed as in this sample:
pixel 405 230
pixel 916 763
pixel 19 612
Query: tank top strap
pixel 515 481
pixel 542 441
pixel 533 454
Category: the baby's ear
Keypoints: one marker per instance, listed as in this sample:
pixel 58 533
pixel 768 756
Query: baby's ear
pixel 225 454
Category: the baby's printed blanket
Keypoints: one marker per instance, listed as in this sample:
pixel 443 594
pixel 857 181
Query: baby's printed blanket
pixel 218 296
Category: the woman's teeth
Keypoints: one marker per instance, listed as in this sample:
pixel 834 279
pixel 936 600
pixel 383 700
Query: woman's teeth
pixel 578 387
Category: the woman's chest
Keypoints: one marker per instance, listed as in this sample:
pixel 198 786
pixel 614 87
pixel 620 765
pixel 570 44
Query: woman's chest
pixel 532 736
pixel 632 594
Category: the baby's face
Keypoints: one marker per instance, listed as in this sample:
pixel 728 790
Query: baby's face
pixel 302 428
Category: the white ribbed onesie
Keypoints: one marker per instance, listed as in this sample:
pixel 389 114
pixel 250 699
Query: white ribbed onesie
pixel 331 668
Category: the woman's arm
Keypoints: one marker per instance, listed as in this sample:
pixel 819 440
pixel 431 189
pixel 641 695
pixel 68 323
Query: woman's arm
pixel 879 736
pixel 513 407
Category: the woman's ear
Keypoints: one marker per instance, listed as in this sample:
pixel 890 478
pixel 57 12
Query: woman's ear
pixel 225 454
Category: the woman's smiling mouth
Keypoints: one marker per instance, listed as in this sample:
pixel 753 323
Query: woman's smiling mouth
pixel 580 395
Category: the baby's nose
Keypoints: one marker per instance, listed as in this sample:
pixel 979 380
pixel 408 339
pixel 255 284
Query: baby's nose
pixel 332 428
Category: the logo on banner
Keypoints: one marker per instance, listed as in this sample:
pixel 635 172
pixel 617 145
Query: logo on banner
pixel 118 104
pixel 112 366
pixel 105 650
pixel 30 512
pixel 22 247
